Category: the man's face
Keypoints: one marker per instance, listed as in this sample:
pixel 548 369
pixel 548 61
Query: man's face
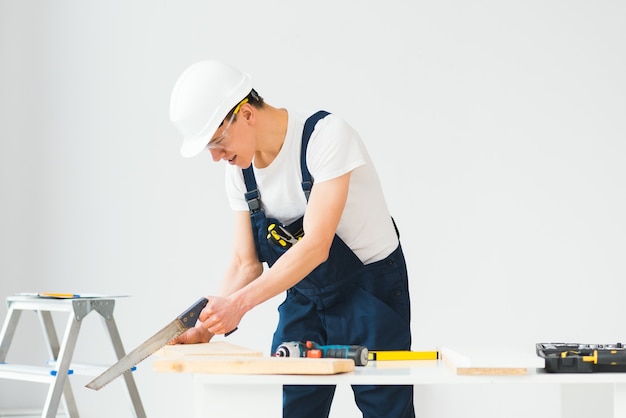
pixel 231 142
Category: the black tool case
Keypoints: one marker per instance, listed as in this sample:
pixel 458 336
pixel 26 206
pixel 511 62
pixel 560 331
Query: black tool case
pixel 582 358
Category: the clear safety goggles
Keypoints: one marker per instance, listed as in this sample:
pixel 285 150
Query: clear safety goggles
pixel 216 142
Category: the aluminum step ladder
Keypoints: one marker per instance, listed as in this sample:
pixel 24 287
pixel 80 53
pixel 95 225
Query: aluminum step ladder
pixel 56 374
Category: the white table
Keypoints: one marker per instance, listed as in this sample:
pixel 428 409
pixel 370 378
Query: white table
pixel 220 395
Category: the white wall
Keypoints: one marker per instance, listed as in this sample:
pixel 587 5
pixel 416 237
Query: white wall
pixel 497 127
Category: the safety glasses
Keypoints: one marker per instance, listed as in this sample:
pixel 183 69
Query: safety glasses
pixel 216 142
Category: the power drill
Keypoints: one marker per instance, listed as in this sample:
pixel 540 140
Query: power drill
pixel 310 349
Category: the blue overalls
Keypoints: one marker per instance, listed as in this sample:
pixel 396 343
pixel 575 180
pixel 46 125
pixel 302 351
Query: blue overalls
pixel 342 301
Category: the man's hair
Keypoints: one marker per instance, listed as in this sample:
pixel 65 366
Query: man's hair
pixel 254 99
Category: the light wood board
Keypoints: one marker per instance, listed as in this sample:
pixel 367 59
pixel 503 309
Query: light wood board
pixel 214 348
pixel 252 365
pixel 490 360
pixel 226 358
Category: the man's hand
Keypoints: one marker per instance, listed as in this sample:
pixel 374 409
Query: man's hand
pixel 221 315
pixel 193 335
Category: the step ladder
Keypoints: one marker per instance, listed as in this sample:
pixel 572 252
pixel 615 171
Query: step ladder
pixel 56 374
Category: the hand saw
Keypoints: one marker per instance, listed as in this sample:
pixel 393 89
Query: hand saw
pixel 172 330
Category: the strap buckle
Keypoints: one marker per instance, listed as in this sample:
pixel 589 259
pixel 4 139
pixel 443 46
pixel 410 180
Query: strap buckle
pixel 253 198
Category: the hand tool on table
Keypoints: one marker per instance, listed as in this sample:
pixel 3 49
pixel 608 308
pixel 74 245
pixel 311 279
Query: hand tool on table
pixel 609 357
pixel 582 358
pixel 172 330
pixel 311 349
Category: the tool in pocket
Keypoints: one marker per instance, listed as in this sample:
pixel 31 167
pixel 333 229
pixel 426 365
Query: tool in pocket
pixel 279 235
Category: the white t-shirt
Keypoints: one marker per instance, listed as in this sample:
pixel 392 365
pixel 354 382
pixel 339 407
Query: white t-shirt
pixel 334 149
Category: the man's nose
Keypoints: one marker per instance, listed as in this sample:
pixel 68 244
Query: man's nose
pixel 216 153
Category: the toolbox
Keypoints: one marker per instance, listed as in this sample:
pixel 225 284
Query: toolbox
pixel 582 358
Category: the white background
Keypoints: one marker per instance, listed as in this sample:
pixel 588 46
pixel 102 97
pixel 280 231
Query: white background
pixel 497 128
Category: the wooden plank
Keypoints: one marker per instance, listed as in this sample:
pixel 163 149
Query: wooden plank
pixel 220 357
pixel 489 360
pixel 214 348
pixel 252 365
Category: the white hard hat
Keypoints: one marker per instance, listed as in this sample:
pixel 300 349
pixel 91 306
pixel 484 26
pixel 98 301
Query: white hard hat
pixel 202 97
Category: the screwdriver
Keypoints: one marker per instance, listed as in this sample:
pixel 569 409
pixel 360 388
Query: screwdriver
pixel 607 357
pixel 279 235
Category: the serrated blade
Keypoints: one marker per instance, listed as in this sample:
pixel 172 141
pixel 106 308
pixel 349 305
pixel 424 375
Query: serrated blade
pixel 172 330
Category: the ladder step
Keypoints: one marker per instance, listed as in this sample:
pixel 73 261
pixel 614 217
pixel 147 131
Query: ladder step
pixel 28 373
pixel 25 413
pixel 86 369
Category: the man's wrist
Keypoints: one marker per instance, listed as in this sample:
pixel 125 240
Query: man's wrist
pixel 240 299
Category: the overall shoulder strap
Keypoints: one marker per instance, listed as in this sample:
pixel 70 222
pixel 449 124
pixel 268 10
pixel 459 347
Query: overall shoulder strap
pixel 309 126
pixel 252 196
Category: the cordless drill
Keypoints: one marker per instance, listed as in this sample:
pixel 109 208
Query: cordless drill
pixel 310 349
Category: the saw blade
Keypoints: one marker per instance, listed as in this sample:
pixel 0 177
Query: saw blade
pixel 172 330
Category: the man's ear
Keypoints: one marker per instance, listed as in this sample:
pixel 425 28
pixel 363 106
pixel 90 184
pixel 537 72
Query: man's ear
pixel 248 112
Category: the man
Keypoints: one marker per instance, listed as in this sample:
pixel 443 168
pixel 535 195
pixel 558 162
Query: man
pixel 307 202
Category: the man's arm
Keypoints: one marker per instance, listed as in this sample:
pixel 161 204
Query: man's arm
pixel 322 216
pixel 244 267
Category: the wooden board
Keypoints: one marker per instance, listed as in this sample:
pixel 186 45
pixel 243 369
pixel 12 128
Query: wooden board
pixel 489 360
pixel 225 358
pixel 252 365
pixel 214 348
